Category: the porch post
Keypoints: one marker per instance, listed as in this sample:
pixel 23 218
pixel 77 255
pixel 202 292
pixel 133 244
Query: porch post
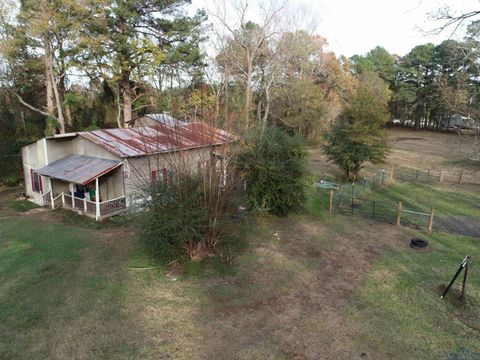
pixel 97 200
pixel 85 204
pixel 63 198
pixel 51 193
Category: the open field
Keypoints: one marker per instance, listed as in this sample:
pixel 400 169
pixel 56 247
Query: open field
pixel 308 286
pixel 415 150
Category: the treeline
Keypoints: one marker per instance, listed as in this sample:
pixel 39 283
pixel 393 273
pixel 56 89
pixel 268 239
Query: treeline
pixel 78 65
pixel 432 82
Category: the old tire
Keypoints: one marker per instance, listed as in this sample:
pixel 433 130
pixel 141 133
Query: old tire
pixel 418 243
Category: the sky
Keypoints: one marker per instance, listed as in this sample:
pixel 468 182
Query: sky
pixel 357 26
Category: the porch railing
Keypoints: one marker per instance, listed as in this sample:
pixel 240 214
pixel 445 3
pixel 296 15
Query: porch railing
pixel 47 199
pixel 112 205
pixel 87 206
pixel 57 201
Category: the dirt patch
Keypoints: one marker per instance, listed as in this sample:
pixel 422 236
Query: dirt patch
pixel 463 225
pixel 297 310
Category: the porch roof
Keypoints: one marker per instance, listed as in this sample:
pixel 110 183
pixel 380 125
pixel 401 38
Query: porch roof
pixel 78 169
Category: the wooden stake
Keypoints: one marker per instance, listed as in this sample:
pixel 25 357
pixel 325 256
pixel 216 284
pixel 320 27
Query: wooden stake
pixel 460 177
pixel 430 221
pixel 441 175
pixel 464 283
pixel 399 213
pixel 331 201
pixel 391 173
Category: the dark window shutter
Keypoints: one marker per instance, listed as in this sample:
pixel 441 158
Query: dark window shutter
pixel 165 176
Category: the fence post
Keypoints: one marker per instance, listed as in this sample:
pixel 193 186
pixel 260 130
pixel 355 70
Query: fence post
pixel 416 176
pixel 391 173
pixel 353 191
pixel 331 201
pixel 430 221
pixel 464 283
pixel 441 175
pixel 460 176
pixel 364 184
pixel 383 176
pixel 428 174
pixel 399 213
pixel 373 210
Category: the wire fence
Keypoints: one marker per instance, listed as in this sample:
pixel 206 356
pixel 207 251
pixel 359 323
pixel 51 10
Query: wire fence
pixel 352 199
pixel 451 176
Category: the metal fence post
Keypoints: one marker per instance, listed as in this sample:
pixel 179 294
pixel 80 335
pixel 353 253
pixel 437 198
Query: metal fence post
pixel 399 213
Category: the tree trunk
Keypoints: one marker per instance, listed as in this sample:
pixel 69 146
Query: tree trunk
pixel 127 98
pixel 248 90
pixel 48 60
pixel 53 95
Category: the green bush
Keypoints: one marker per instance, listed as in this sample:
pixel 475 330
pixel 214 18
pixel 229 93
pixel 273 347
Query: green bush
pixel 275 168
pixel 186 214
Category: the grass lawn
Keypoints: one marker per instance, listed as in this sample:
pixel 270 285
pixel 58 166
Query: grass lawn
pixel 307 286
pixel 400 310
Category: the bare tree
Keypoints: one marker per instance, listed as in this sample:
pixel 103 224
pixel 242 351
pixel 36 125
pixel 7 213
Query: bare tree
pixel 248 35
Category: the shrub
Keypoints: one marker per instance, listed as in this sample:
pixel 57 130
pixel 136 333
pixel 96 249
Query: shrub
pixel 186 213
pixel 275 168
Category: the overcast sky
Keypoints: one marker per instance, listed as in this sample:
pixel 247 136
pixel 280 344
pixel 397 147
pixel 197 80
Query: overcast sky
pixel 356 26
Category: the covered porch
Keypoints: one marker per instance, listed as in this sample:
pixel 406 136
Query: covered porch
pixel 90 186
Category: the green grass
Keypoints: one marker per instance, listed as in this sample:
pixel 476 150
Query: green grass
pixel 66 288
pixel 398 310
pixel 73 219
pixel 448 201
pixel 22 205
pixel 43 282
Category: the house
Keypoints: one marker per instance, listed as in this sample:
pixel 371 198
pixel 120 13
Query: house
pixel 154 120
pixel 102 173
pixel 457 121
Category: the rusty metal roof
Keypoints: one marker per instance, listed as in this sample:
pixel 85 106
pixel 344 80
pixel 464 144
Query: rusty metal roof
pixel 141 141
pixel 78 169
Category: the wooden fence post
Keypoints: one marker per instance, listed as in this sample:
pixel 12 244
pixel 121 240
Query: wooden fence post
pixel 399 213
pixel 391 173
pixel 441 175
pixel 460 176
pixel 430 221
pixel 331 201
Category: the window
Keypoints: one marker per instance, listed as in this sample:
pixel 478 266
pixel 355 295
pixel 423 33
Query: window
pixel 160 177
pixel 36 181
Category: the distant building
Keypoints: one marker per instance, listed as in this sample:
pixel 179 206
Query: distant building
pixel 457 121
pixel 155 119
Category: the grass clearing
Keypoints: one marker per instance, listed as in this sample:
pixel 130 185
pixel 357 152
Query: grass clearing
pixel 399 304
